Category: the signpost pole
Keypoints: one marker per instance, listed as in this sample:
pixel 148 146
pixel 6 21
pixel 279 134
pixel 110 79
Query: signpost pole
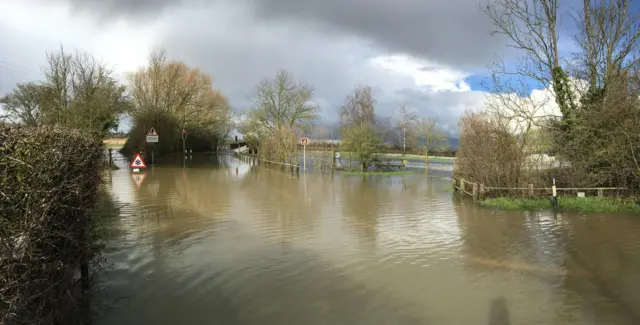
pixel 304 157
pixel 152 137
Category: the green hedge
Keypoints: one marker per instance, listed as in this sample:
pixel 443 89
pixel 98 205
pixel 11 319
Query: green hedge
pixel 170 137
pixel 49 180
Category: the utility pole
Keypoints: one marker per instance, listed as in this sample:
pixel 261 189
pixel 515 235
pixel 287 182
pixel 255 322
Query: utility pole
pixel 404 141
pixel 184 148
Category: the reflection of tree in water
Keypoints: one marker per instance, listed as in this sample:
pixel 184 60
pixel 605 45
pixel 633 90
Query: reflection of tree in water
pixel 280 202
pixel 175 204
pixel 298 287
pixel 361 204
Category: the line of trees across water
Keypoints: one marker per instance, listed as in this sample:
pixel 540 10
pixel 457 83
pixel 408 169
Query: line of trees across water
pixel 285 110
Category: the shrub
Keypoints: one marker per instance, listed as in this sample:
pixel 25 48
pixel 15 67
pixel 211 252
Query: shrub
pixel 488 153
pixel 49 180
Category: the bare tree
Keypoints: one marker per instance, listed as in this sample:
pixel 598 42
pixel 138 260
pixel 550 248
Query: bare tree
pixel 78 92
pixel 359 107
pixel 284 110
pixel 23 105
pixel 532 28
pixel 405 128
pixel 358 125
pixel 171 88
pixel 171 96
pixel 433 138
pixel 608 33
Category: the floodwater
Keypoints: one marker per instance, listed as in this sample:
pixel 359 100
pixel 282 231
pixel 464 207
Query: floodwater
pixel 219 241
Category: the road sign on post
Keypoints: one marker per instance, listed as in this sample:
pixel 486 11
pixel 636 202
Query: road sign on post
pixel 137 162
pixel 305 142
pixel 152 135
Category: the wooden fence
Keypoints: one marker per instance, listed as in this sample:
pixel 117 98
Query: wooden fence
pixel 478 191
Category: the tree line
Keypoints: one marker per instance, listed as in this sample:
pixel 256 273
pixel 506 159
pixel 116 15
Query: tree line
pixel 596 89
pixel 82 93
pixel 285 110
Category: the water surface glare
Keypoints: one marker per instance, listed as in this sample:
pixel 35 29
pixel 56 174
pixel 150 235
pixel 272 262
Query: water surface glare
pixel 222 241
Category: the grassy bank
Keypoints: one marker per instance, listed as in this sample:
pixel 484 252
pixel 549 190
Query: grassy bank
pixel 565 204
pixel 418 157
pixel 391 173
pixel 345 155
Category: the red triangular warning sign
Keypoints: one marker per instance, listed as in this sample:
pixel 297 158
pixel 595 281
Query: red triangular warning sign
pixel 152 132
pixel 137 162
pixel 138 178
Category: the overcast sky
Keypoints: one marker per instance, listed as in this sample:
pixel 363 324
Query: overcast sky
pixel 428 54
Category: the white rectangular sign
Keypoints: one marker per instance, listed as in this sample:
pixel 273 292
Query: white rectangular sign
pixel 152 138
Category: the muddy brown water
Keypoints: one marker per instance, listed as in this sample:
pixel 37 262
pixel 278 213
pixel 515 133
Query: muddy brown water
pixel 218 241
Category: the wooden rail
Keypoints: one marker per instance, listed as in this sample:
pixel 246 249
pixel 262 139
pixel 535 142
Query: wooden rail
pixel 479 191
pixel 246 157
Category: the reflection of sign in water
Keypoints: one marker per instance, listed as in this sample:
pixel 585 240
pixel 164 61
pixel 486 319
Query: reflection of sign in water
pixel 337 155
pixel 138 178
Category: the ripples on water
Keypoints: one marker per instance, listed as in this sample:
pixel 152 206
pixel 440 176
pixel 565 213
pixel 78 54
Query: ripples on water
pixel 223 242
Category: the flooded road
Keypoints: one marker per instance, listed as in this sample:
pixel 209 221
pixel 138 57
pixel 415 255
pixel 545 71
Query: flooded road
pixel 223 242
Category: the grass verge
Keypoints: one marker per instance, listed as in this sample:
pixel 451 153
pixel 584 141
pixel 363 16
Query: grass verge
pixel 565 204
pixel 420 157
pixel 392 173
pixel 114 142
pixel 345 155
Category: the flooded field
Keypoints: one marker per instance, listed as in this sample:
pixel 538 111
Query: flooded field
pixel 218 241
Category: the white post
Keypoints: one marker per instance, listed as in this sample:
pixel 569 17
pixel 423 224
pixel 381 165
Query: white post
pixel 304 156
pixel 404 142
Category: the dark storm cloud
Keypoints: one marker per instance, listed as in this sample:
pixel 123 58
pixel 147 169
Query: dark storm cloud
pixel 240 43
pixel 446 31
pixel 238 61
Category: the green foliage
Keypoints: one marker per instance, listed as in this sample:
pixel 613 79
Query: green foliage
pixel 564 93
pixel 565 203
pixel 170 137
pixel 364 141
pixel 49 179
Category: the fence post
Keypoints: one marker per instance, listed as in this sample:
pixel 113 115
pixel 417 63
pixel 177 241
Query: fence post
pixel 474 191
pixel 453 184
pixel 530 190
pixel 110 157
pixel 462 185
pixel 481 194
pixel 600 192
